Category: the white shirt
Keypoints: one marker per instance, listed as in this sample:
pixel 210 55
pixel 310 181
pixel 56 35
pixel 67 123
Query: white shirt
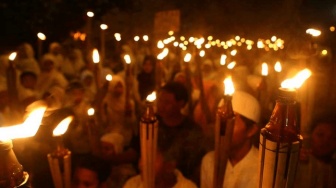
pixel 182 182
pixel 243 175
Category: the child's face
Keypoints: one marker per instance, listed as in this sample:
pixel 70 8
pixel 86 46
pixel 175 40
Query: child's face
pixel 323 140
pixel 85 178
pixel 28 82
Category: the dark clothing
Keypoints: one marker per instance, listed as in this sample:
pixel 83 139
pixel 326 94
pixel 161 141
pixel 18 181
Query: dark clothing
pixel 146 84
pixel 186 142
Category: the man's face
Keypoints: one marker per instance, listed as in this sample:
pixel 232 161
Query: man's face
pixel 85 178
pixel 240 133
pixel 167 105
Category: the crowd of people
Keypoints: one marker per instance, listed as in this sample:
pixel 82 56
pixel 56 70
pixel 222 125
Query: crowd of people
pixel 106 147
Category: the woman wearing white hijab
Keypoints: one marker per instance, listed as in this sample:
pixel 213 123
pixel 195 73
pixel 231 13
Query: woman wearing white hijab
pixel 114 108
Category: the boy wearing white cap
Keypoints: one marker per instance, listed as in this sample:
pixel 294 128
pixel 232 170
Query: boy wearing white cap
pixel 243 157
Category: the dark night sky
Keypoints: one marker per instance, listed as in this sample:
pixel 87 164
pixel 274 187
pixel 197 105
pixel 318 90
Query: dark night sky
pixel 21 20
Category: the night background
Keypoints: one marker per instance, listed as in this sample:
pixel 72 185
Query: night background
pixel 22 20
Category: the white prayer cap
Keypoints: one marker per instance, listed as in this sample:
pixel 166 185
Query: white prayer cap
pixel 246 105
pixel 114 138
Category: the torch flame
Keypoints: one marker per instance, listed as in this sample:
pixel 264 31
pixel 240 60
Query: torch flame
pixel 27 129
pixel 151 97
pixel 277 66
pixel 187 57
pixel 41 36
pixel 108 77
pixel 297 81
pixel 231 65
pixel 264 69
pixel 223 59
pixel 163 54
pixel 103 26
pixel 160 44
pixel 127 59
pixel 117 36
pixel 62 127
pixel 228 85
pixel 12 56
pixel 95 56
pixel 202 53
pixel 91 111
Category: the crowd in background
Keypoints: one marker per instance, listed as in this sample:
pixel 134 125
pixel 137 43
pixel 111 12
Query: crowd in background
pixel 71 84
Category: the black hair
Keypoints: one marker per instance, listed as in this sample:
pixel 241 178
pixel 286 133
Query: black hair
pixel 75 85
pixel 99 166
pixel 27 73
pixel 179 91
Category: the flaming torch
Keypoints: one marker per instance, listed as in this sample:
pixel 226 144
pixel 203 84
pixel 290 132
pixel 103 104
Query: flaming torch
pixel 148 142
pixel 60 159
pixel 280 140
pixel 223 133
pixel 11 171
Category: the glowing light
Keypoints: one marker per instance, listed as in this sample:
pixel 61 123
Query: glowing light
pixel 62 127
pixel 117 36
pixel 260 44
pixel 297 81
pixel 187 57
pixel 176 44
pixel 207 46
pixel 182 38
pixel 233 52
pixel 237 38
pixel 136 38
pixel 273 38
pixel 332 28
pixel 127 59
pixel 95 56
pixel 103 26
pixel 151 97
pixel 108 77
pixel 210 37
pixel 202 53
pixel 231 65
pixel 171 33
pixel 324 52
pixel 277 66
pixel 313 32
pixel 90 14
pixel 90 111
pixel 264 69
pixel 28 128
pixel 160 44
pixel 191 39
pixel 199 42
pixel 228 85
pixel 223 59
pixel 163 54
pixel 12 56
pixel 41 36
pixel 145 37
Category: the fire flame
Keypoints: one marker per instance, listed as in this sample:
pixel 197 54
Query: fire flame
pixel 108 77
pixel 41 36
pixel 62 127
pixel 151 97
pixel 264 69
pixel 228 86
pixel 91 111
pixel 163 54
pixel 12 56
pixel 95 56
pixel 277 66
pixel 127 59
pixel 231 65
pixel 187 57
pixel 27 129
pixel 297 81
pixel 223 59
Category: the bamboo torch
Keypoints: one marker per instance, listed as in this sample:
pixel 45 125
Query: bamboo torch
pixel 187 59
pixel 148 142
pixel 128 79
pixel 41 37
pixel 11 82
pixel 223 133
pixel 159 73
pixel 60 159
pixel 96 70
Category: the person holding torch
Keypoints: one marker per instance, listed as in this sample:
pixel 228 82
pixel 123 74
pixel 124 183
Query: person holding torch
pixel 241 166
